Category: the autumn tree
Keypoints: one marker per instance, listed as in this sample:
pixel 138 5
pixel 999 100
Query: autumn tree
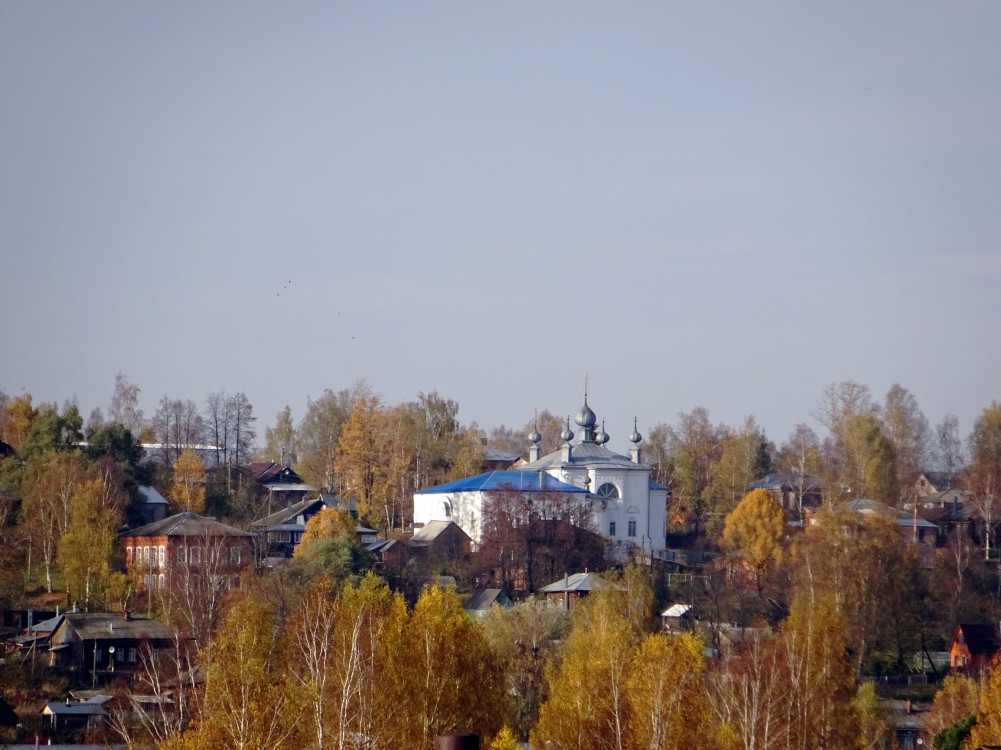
pixel 362 452
pixel 587 707
pixel 658 455
pixel 329 523
pixel 947 448
pixel 114 443
pixel 508 440
pixel 985 469
pixel 840 402
pixel 738 466
pixel 906 427
pixel 47 488
pixel 52 431
pixel 754 531
pixel 962 584
pixel 199 580
pixel 800 459
pixel 524 639
pixel 87 548
pixel 667 698
pixel 956 699
pixel 249 702
pixel 229 425
pixel 695 445
pixel 177 425
pixel 18 416
pixel 124 407
pixel 987 730
pixel 833 560
pixel 820 682
pixel 450 680
pixel 320 430
pixel 748 693
pixel 279 441
pixel 170 677
pixel 346 652
pixel 863 462
pixel 873 719
pixel 329 549
pixel 188 491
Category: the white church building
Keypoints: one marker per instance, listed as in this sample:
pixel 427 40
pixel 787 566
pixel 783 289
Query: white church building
pixel 626 506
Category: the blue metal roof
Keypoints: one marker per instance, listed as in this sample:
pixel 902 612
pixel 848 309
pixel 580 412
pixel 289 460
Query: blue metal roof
pixel 509 479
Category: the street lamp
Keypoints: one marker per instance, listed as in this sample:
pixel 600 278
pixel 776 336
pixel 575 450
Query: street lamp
pixel 111 658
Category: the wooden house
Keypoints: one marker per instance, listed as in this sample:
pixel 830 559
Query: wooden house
pixel 105 645
pixel 973 647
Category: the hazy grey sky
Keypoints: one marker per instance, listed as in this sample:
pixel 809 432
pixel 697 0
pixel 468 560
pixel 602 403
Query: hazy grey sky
pixel 726 204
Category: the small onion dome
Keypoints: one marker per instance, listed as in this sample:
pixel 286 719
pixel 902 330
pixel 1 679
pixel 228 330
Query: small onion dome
pixel 534 437
pixel 634 436
pixel 567 433
pixel 602 437
pixel 586 417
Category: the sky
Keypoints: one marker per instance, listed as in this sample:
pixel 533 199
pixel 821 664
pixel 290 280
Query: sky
pixel 723 204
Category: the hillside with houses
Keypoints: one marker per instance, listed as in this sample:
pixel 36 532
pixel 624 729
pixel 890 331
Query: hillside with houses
pixel 382 576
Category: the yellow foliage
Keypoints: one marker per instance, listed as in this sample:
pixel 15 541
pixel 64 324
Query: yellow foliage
pixel 189 482
pixel 987 730
pixel 587 709
pixel 329 523
pixel 505 740
pixel 958 698
pixel 666 695
pixel 754 529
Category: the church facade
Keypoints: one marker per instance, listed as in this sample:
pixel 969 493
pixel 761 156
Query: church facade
pixel 623 504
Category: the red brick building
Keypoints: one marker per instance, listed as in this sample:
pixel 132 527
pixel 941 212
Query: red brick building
pixel 188 541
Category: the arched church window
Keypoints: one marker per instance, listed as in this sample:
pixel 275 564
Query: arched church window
pixel 608 491
pixel 447 507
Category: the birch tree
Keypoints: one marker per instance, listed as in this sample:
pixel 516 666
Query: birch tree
pixel 587 708
pixel 667 698
pixel 248 702
pixel 985 469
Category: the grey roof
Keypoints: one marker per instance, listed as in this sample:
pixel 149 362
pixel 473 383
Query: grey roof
pixel 483 599
pixel 578 582
pixel 380 545
pixel 285 515
pixel 45 626
pixel 108 626
pixel 902 518
pixel 151 496
pixel 495 454
pixel 431 531
pixel 186 524
pixel 581 453
pixel 61 708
